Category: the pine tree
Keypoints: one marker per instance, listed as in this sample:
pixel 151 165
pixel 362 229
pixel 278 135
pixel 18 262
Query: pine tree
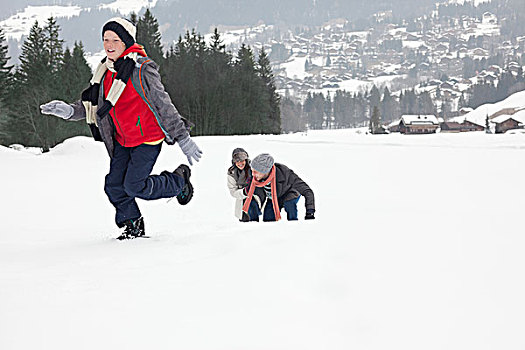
pixel 5 84
pixel 5 70
pixel 133 18
pixel 314 110
pixel 425 104
pixel 389 106
pixel 375 98
pixel 462 101
pixel 75 65
pixel 37 81
pixel 265 72
pixel 217 44
pixel 34 58
pixel 375 121
pixel 291 116
pixel 219 83
pixel 182 73
pixel 53 45
pixel 29 90
pixel 328 111
pixel 149 36
pixel 251 94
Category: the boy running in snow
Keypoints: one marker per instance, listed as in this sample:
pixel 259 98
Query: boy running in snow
pixel 128 109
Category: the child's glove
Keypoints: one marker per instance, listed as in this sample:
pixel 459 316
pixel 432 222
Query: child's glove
pixel 57 108
pixel 190 149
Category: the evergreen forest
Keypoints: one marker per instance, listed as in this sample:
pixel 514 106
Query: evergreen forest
pixel 219 92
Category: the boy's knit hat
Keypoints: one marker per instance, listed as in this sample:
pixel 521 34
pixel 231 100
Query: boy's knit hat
pixel 125 30
pixel 263 163
pixel 239 154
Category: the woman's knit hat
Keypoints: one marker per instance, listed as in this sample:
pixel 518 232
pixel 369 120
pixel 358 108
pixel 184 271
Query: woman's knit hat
pixel 239 154
pixel 125 30
pixel 263 163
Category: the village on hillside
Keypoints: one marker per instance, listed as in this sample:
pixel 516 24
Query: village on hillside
pixel 444 56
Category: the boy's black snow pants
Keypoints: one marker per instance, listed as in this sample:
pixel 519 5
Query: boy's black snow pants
pixel 129 178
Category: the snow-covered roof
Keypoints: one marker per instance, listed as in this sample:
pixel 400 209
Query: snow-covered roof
pixel 412 119
pixel 518 116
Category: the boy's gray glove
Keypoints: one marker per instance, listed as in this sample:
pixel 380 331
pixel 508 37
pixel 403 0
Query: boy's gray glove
pixel 190 149
pixel 57 108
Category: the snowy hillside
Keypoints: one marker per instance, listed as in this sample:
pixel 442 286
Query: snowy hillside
pixel 417 244
pixel 126 7
pixel 515 102
pixel 19 24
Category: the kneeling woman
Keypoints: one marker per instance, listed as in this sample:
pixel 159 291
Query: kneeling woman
pixel 239 176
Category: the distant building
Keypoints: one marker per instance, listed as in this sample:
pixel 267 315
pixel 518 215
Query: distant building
pixel 466 126
pixel 506 122
pixel 418 124
pixel 450 127
pixel 394 126
pixel 473 126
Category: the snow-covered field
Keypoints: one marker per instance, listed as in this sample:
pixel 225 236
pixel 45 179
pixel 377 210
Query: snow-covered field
pixel 417 244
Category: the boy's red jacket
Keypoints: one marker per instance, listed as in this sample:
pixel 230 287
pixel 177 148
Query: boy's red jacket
pixel 134 121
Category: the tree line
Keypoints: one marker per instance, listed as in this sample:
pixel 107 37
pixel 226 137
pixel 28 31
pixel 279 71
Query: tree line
pixel 346 109
pixel 46 72
pixel 221 93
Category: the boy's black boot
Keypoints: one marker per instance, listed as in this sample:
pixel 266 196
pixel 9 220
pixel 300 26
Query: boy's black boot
pixel 133 229
pixel 185 195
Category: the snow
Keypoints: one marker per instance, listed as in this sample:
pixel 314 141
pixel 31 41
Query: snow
pixel 417 244
pixel 461 2
pixel 518 116
pixel 20 24
pixel 478 116
pixel 356 85
pixel 480 29
pixel 233 38
pixel 93 59
pixel 420 119
pixel 126 7
pixel 413 44
pixel 295 67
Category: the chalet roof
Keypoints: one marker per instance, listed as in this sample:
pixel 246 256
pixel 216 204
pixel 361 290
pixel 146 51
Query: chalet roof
pixel 504 117
pixel 452 125
pixel 413 119
pixel 468 121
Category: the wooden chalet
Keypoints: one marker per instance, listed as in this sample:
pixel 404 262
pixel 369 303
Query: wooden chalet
pixel 466 126
pixel 504 123
pixel 450 127
pixel 418 124
pixel 472 126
